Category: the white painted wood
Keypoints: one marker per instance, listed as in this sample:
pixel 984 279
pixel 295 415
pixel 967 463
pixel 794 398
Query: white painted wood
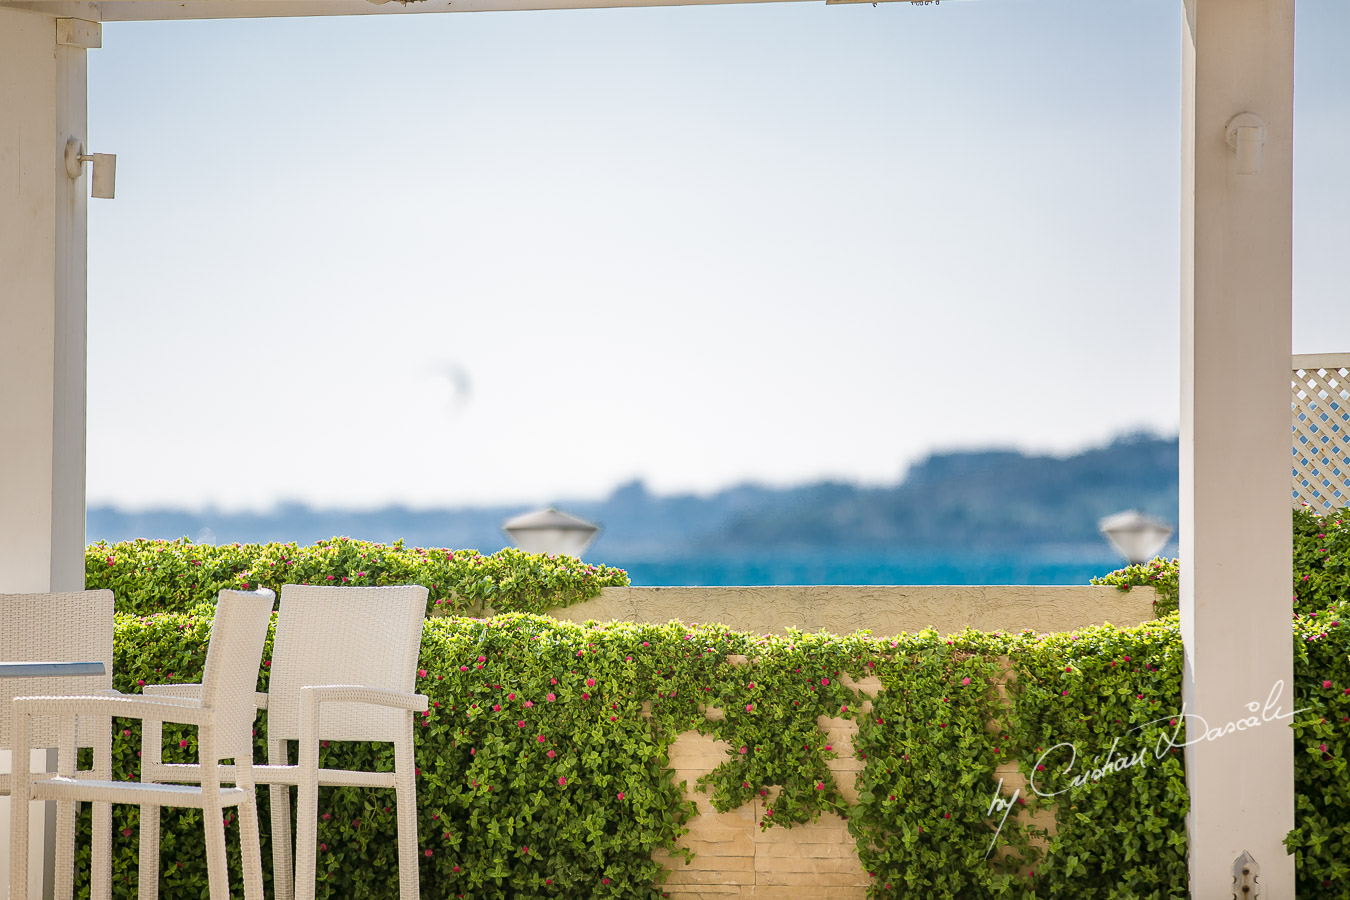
pixel 1321 426
pixel 42 316
pixel 28 110
pixel 42 326
pixel 70 302
pixel 1238 57
pixel 154 10
pixel 79 33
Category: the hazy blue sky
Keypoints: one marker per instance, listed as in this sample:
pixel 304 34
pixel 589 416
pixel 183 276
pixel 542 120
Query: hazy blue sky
pixel 451 259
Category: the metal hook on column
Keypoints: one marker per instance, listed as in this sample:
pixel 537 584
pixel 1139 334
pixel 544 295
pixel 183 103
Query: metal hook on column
pixel 105 168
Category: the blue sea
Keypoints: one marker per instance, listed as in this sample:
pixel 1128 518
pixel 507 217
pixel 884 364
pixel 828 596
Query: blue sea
pixel 869 568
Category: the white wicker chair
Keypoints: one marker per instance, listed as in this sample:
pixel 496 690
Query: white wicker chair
pixel 344 668
pixel 66 627
pixel 224 717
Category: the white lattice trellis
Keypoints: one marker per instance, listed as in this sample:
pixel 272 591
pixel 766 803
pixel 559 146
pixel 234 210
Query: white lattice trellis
pixel 1321 412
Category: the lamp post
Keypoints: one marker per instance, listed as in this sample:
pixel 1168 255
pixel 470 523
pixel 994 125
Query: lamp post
pixel 1135 536
pixel 550 531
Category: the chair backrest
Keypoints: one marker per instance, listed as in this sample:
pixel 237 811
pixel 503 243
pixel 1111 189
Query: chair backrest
pixel 344 635
pixel 233 661
pixel 67 627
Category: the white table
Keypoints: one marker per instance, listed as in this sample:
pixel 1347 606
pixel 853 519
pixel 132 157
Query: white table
pixel 49 669
pixel 44 669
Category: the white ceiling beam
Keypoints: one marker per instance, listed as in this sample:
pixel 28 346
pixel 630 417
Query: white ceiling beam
pixel 163 10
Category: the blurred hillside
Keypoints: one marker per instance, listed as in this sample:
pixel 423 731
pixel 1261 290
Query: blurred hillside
pixel 978 501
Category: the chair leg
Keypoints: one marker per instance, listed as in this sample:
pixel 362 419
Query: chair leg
pixel 405 796
pixel 283 885
pixel 100 878
pixel 64 872
pixel 20 785
pixel 250 847
pixel 147 876
pixel 307 821
pixel 217 868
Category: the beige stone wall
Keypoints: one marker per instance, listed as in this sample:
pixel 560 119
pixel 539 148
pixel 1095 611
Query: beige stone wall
pixel 882 610
pixel 732 856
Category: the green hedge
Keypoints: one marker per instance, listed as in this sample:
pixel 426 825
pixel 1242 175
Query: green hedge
pixel 499 817
pixel 591 814
pixel 1321 566
pixel 149 577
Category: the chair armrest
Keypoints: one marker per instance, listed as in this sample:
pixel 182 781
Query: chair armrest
pixel 190 691
pixel 314 695
pixel 123 706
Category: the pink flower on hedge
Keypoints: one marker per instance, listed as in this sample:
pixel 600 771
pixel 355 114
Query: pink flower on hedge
pixel 464 668
pixel 743 751
pixel 749 707
pixel 965 681
pixel 590 682
pixel 551 754
pixel 421 673
pixel 562 780
pixel 824 681
pixel 551 697
pixel 529 704
pixel 1326 685
pixel 482 659
pixel 620 795
pixel 520 724
pixel 496 707
pixel 820 785
pixel 426 852
pixel 1322 747
pixel 585 696
pixel 541 738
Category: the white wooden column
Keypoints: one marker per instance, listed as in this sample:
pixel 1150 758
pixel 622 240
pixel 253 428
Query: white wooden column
pixel 42 307
pixel 1235 521
pixel 43 227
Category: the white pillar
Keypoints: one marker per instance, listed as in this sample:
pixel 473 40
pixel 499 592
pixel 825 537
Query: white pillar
pixel 1235 527
pixel 42 307
pixel 43 222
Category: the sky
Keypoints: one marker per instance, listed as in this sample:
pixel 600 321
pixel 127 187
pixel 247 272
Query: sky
pixel 482 258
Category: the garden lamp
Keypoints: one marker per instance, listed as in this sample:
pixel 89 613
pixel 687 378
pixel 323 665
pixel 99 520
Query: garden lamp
pixel 550 531
pixel 1135 536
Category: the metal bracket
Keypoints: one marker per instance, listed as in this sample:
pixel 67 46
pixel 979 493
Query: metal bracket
pixel 105 168
pixel 1245 133
pixel 1245 875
